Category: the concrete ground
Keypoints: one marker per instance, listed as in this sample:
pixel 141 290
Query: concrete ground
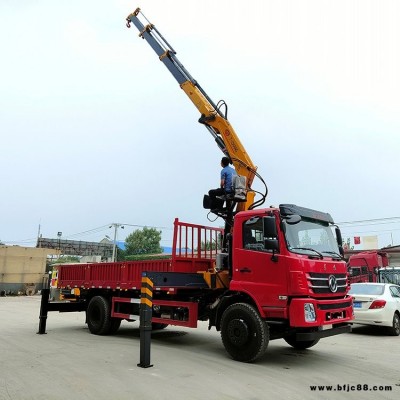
pixel 70 363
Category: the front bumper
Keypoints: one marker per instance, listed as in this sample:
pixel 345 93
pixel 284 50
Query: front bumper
pixel 308 336
pixel 327 312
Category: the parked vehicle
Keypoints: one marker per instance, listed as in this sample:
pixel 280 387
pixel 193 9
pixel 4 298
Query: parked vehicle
pixel 377 304
pixel 364 266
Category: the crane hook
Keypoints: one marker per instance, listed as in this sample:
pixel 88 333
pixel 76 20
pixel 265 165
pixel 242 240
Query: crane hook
pixel 128 22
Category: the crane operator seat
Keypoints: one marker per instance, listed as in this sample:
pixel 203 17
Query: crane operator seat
pixel 237 195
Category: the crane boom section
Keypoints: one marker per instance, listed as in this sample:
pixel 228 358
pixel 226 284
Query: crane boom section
pixel 211 115
pixel 222 128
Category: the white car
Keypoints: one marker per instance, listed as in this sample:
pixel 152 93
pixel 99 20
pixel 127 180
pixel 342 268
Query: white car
pixel 377 304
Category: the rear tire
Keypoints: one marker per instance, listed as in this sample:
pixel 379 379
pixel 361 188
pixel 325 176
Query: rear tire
pixel 156 326
pixel 115 324
pixel 395 329
pixel 98 316
pixel 244 334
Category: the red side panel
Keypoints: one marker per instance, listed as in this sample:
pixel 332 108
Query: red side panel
pixel 109 275
pixel 194 249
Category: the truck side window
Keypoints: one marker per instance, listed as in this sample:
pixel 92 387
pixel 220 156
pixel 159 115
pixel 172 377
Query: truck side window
pixel 253 235
pixel 364 270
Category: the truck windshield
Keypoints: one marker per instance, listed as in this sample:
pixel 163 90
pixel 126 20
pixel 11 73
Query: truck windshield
pixel 313 238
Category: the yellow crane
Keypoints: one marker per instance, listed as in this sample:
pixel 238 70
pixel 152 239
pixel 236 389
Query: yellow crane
pixel 212 116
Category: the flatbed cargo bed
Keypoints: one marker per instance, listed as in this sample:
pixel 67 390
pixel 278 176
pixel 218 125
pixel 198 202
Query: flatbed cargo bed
pixel 194 250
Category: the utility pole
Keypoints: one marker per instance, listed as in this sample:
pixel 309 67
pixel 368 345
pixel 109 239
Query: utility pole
pixel 59 234
pixel 116 226
pixel 38 237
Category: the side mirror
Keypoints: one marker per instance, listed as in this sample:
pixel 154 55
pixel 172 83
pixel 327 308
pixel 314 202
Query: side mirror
pixel 269 225
pixel 350 271
pixel 338 236
pixel 339 240
pixel 271 244
pixel 271 236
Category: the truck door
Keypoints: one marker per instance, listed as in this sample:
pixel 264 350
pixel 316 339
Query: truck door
pixel 256 270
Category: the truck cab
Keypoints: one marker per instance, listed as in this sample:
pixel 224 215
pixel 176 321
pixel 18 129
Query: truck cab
pixel 288 260
pixel 364 266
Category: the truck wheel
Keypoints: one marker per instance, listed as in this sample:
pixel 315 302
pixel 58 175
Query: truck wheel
pixel 244 334
pixel 99 316
pixel 158 326
pixel 395 329
pixel 300 344
pixel 115 324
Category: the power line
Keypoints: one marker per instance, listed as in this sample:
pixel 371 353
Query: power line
pixel 106 227
pixel 389 220
pixel 88 232
pixel 147 226
pixel 31 240
pixel 368 231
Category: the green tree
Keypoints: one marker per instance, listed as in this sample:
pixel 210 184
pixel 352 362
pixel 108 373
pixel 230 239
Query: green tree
pixel 120 254
pixel 143 241
pixel 346 243
pixel 212 245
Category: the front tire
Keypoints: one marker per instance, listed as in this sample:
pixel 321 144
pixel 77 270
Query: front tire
pixel 244 334
pixel 98 316
pixel 300 344
pixel 395 329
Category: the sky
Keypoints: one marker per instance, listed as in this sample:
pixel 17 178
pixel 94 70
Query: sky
pixel 95 130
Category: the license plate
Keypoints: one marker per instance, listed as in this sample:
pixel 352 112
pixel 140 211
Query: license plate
pixel 357 304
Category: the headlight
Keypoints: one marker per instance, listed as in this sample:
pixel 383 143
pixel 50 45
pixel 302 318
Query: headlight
pixel 309 312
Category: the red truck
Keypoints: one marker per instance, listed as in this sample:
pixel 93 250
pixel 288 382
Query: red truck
pixel 277 280
pixel 271 273
pixel 364 266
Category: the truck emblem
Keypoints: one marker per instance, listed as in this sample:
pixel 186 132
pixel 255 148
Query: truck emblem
pixel 332 283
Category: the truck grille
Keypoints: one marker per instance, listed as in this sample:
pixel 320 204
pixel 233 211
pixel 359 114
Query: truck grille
pixel 333 306
pixel 319 283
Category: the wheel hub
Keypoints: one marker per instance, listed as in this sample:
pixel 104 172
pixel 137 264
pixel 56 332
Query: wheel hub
pixel 238 332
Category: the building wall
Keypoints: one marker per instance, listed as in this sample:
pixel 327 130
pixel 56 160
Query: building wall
pixel 20 266
pixel 394 259
pixel 91 259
